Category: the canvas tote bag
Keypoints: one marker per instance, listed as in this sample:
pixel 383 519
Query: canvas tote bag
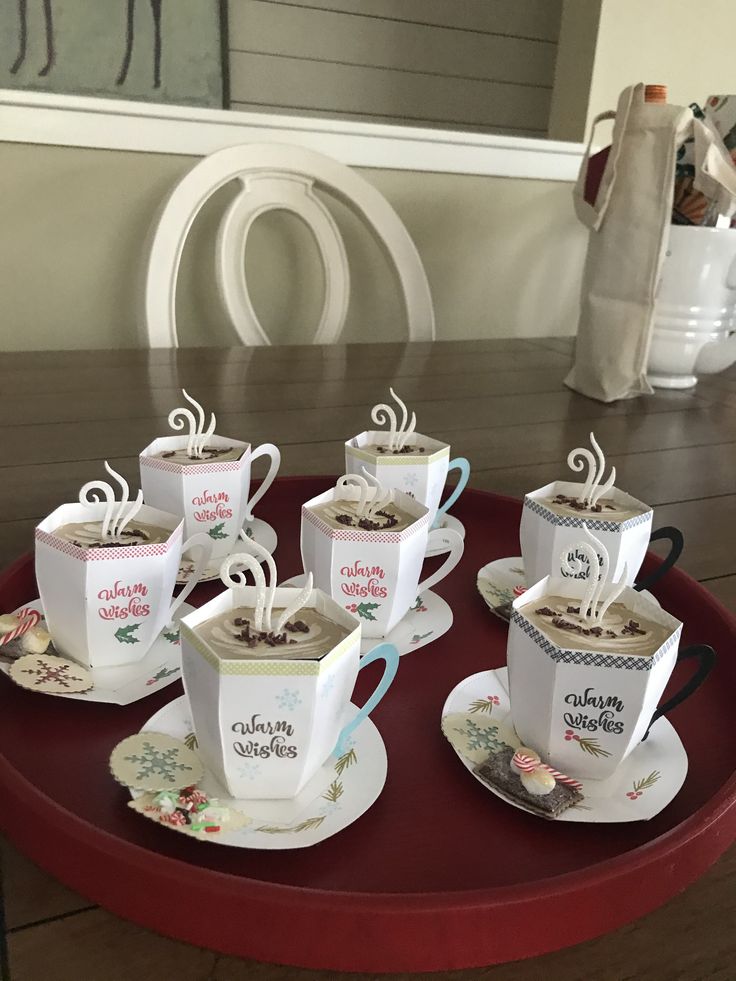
pixel 628 236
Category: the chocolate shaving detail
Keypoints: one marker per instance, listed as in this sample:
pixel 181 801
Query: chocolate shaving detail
pixel 577 505
pixel 403 451
pixel 210 452
pixel 367 524
pixel 631 629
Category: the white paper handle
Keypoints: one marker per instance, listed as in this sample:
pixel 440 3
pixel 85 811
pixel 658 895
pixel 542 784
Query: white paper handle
pixel 266 449
pixel 195 541
pixel 443 536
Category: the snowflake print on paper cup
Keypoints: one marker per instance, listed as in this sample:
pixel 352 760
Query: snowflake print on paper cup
pixel 154 761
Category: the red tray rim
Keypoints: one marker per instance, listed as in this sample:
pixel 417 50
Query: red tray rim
pixel 719 811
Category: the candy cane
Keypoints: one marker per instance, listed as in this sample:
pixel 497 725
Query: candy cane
pixel 562 777
pixel 528 764
pixel 28 619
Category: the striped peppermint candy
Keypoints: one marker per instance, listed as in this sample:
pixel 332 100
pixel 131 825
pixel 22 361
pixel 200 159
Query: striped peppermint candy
pixel 28 619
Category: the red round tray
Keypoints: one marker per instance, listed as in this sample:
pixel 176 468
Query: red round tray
pixel 438 874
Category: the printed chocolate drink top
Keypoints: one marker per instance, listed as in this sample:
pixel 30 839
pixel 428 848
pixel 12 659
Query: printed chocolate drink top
pixel 364 504
pixel 197 450
pixel 253 630
pixel 345 514
pixel 119 527
pixel 308 635
pixel 89 534
pixel 397 439
pixel 619 631
pixel 604 508
pixel 592 502
pixel 594 621
pixel 383 449
pixel 218 454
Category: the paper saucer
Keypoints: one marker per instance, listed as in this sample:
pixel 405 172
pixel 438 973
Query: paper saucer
pixel 260 531
pixel 342 790
pixel 451 523
pixel 642 786
pixel 124 684
pixel 426 621
pixel 501 581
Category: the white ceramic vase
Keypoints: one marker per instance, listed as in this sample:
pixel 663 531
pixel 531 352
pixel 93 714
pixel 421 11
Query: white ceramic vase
pixel 695 307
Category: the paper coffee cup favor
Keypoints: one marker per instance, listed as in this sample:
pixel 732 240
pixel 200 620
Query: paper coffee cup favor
pixel 554 516
pixel 405 460
pixel 269 673
pixel 205 478
pixel 106 572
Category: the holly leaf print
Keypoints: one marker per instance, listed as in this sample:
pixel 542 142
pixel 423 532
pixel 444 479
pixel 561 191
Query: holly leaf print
pixel 364 610
pixel 217 532
pixel 124 635
pixel 172 636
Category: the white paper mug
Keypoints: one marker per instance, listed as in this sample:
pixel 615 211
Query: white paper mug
pixel 212 497
pixel 106 606
pixel 265 726
pixel 584 711
pixel 375 574
pixel 421 475
pixel 544 533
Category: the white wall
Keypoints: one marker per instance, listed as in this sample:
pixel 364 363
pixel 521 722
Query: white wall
pixel 605 45
pixel 503 255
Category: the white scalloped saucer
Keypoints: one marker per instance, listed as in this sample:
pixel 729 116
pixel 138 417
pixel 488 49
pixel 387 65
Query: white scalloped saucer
pixel 342 790
pixel 124 684
pixel 642 786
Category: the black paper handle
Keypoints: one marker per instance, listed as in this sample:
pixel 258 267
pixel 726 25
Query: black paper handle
pixel 707 658
pixel 674 535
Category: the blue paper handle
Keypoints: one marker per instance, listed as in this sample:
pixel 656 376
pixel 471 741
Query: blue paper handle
pixel 461 464
pixel 384 652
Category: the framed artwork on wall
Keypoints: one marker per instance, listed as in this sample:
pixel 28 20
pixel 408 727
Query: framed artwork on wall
pixel 172 51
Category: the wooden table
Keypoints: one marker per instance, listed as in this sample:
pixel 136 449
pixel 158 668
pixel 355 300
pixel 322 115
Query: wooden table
pixel 501 404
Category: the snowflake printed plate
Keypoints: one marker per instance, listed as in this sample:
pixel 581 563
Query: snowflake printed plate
pixel 501 581
pixel 451 523
pixel 342 790
pixel 127 683
pixel 428 619
pixel 476 720
pixel 260 531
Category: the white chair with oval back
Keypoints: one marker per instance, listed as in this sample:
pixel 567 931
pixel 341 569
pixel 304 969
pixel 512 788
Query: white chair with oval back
pixel 274 176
